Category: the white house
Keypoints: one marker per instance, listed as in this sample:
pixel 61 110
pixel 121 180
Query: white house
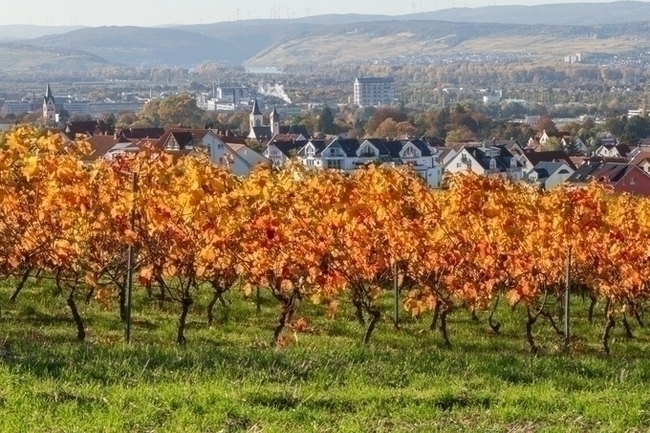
pixel 348 154
pixel 613 151
pixel 486 160
pixel 279 151
pixel 529 160
pixel 550 174
pixel 239 158
pixel 443 155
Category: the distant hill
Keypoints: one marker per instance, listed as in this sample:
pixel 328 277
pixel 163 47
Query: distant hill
pixel 550 14
pixel 392 39
pixel 547 30
pixel 16 57
pixel 19 31
pixel 248 38
pixel 145 46
pixel 558 14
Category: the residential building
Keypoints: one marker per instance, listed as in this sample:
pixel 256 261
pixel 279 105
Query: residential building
pixel 494 160
pixel 550 174
pixel 642 160
pixel 443 155
pixel 620 177
pixel 281 149
pixel 237 156
pixel 348 154
pixel 374 91
pixel 87 128
pixel 140 133
pixel 529 160
pixel 614 151
pixel 541 138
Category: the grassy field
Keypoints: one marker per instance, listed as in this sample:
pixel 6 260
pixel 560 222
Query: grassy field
pixel 228 378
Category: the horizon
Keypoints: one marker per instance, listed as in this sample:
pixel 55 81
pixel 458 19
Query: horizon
pixel 56 16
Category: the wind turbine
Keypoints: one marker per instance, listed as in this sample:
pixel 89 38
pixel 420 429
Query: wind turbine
pixel 237 9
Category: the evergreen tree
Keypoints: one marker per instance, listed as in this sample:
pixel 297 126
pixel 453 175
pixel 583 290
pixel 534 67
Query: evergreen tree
pixel 573 149
pixel 326 121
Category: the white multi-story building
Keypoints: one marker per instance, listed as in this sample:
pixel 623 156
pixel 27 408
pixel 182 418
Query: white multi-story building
pixel 348 154
pixel 234 95
pixel 374 91
pixel 17 107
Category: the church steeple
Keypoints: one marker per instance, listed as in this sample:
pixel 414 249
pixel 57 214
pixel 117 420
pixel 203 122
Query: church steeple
pixel 256 116
pixel 275 121
pixel 48 93
pixel 49 105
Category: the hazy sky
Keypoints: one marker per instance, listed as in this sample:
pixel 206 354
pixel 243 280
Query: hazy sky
pixel 158 12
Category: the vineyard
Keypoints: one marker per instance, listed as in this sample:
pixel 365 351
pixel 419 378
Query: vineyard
pixel 319 237
pixel 244 298
pixel 322 237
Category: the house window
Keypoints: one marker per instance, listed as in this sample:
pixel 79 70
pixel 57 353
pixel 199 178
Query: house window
pixel 334 164
pixel 633 181
pixel 332 151
pixel 493 164
pixel 459 165
pixel 409 152
pixel 309 151
pixel 513 163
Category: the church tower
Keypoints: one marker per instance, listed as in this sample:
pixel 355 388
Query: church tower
pixel 275 121
pixel 256 117
pixel 49 106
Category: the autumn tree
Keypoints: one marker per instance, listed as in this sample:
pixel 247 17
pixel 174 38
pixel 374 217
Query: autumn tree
pixel 545 123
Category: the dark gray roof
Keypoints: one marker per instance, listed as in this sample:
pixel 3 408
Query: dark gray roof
pixel 349 146
pixel 503 159
pixel 376 79
pixel 549 156
pixel 274 113
pixel 262 132
pixel 295 130
pixel 421 145
pixel 588 172
pixel 319 145
pixel 546 169
pixel 286 147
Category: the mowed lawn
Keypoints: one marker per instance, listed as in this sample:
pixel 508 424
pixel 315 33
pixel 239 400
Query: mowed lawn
pixel 228 378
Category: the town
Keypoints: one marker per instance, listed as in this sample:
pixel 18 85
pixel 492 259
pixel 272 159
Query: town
pixel 546 153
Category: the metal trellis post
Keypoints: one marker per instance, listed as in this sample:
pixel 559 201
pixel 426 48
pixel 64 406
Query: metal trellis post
pixel 567 300
pixel 129 270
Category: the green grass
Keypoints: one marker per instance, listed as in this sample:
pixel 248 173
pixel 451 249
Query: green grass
pixel 228 378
